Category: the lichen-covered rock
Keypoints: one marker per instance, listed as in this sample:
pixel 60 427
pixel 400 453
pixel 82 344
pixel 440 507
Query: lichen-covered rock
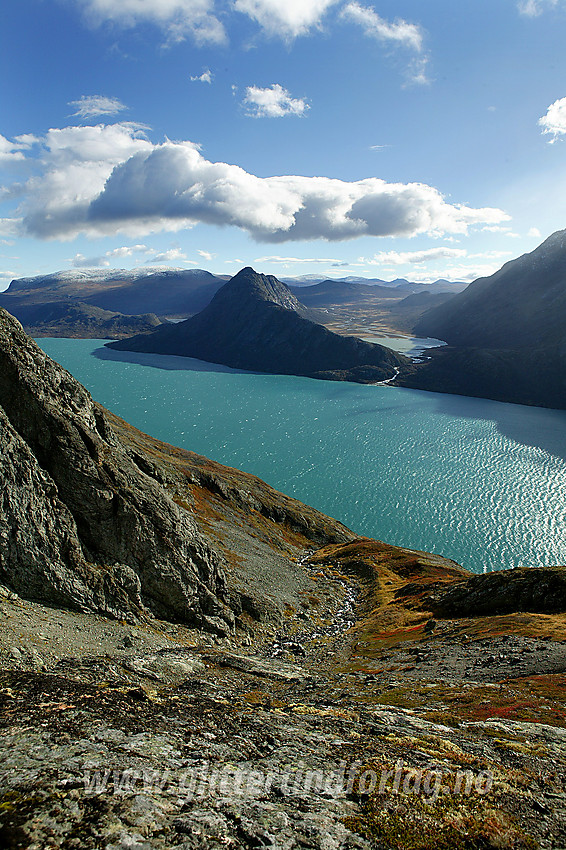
pixel 81 523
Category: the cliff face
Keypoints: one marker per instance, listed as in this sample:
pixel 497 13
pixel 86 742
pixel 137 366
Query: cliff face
pixel 81 524
pixel 255 322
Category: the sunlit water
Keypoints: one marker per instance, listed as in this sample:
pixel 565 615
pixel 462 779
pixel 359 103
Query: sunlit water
pixel 477 481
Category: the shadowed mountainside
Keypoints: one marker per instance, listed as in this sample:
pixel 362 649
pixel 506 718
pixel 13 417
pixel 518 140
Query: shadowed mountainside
pixel 523 305
pixel 506 334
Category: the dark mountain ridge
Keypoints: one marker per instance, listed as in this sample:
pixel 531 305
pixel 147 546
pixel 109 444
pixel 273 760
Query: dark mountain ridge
pixel 521 305
pixel 76 319
pixel 440 285
pixel 255 322
pixel 506 333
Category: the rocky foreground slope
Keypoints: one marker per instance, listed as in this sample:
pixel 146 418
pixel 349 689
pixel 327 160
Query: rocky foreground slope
pixel 191 660
pixel 92 518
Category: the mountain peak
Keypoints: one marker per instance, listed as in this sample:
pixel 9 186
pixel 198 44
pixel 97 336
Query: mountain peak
pixel 248 283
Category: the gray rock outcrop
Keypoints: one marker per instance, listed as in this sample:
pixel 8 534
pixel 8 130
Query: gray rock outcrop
pixel 541 589
pixel 81 524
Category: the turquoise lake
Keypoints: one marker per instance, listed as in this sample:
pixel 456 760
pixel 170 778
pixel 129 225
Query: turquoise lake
pixel 478 481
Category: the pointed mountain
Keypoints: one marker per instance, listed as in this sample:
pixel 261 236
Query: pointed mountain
pixel 255 322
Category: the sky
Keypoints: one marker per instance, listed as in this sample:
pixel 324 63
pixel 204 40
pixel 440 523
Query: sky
pixel 422 139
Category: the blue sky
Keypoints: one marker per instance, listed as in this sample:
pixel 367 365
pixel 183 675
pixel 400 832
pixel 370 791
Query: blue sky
pixel 331 137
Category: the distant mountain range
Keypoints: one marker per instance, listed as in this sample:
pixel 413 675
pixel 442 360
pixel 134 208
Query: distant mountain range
pixel 329 292
pixel 506 333
pixel 399 283
pixel 171 293
pixel 255 322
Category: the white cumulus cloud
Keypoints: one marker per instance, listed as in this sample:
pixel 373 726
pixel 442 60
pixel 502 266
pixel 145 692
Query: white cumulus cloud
pixel 291 260
pixel 9 152
pixel 503 229
pixel 93 106
pixel 106 179
pixel 469 273
pixel 79 261
pixel 273 102
pixel 170 256
pixel 206 77
pixel 15 151
pixel 287 19
pixel 554 122
pixel 128 251
pixel 399 31
pixel 10 226
pixel 179 18
pixel 76 162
